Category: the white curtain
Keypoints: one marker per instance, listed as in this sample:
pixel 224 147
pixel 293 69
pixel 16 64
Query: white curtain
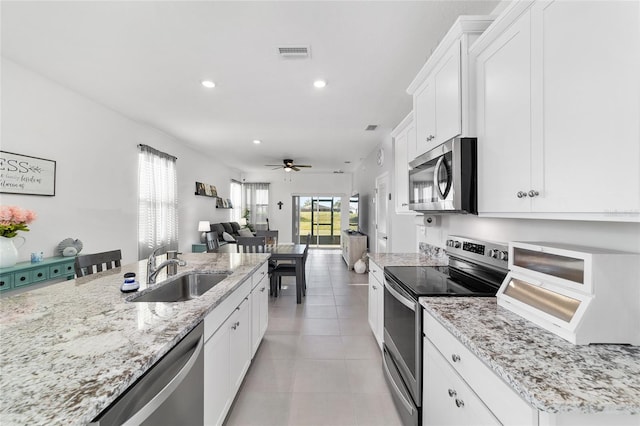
pixel 157 201
pixel 256 200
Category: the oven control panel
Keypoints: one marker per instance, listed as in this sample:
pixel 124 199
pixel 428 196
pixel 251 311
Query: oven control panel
pixel 490 252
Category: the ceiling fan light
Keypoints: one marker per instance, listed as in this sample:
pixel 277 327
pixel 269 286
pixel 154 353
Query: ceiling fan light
pixel 257 141
pixel 319 84
pixel 208 84
pixel 287 169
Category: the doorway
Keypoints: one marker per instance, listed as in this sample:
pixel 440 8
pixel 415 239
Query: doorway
pixel 319 216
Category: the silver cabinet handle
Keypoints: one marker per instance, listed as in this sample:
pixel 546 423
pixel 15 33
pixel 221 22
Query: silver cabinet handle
pixel 262 289
pixel 521 194
pixel 452 393
pixel 374 271
pixel 375 288
pixel 459 403
pixel 455 357
pixel 404 204
pixel 533 193
pixel 236 325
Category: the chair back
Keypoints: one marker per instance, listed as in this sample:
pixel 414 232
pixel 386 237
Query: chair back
pixel 85 264
pixel 250 244
pixel 271 237
pixel 306 250
pixel 212 241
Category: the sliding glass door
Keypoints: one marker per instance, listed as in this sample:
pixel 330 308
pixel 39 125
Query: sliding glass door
pixel 318 216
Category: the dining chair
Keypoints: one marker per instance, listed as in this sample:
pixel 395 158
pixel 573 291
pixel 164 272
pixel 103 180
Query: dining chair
pixel 85 264
pixel 212 241
pixel 289 270
pixel 271 237
pixel 250 244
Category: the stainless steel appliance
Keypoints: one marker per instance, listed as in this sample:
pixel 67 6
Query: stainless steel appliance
pixel 444 178
pixel 475 269
pixel 170 393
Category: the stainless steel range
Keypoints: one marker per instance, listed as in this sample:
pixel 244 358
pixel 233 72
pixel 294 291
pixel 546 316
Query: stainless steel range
pixel 476 269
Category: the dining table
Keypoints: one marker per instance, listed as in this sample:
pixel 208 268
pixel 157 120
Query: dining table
pixel 280 252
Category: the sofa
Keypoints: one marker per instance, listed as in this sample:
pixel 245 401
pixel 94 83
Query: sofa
pixel 231 228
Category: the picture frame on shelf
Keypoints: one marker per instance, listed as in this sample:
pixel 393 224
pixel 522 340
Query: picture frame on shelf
pixel 206 190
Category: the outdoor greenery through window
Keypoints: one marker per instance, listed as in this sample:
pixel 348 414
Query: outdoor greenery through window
pixel 320 217
pixel 157 201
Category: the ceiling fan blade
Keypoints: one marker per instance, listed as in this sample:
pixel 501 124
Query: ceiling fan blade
pixel 295 168
pixel 303 165
pixel 276 168
pixel 273 165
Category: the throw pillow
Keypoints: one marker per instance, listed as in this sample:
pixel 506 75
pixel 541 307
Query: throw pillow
pixel 244 232
pixel 227 237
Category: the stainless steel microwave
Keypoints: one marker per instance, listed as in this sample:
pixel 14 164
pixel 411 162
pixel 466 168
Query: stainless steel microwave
pixel 444 179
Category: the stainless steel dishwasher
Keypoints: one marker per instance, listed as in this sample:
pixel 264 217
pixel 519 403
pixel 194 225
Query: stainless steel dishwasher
pixel 170 393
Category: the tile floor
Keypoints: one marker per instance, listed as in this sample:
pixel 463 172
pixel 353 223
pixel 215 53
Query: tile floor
pixel 319 363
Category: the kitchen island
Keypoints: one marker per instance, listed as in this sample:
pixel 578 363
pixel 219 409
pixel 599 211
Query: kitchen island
pixel 562 382
pixel 69 350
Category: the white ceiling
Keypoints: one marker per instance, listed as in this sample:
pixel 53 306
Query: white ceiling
pixel 146 59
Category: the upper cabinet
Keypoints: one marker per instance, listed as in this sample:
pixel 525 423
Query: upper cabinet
pixel 558 111
pixel 404 145
pixel 441 88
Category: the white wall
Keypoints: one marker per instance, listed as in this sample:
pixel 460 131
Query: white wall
pixel 95 150
pixel 402 234
pixel 304 182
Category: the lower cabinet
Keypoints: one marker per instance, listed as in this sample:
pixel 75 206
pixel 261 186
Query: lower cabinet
pixel 376 301
pixel 230 343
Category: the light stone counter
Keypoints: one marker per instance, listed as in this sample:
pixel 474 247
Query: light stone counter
pixel 68 350
pixel 550 373
pixel 407 259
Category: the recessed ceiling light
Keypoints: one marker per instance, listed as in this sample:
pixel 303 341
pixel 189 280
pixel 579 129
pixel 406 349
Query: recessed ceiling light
pixel 208 84
pixel 319 84
pixel 257 141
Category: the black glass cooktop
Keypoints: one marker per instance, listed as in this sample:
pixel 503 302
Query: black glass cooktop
pixel 445 280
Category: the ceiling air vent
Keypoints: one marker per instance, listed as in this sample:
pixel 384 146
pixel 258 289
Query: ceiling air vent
pixel 294 51
pixel 371 127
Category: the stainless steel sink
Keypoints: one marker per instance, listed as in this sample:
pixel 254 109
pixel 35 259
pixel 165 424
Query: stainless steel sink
pixel 183 287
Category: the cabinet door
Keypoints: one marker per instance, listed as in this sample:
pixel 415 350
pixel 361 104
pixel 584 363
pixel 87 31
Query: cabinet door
pixel 504 120
pixel 217 392
pixel 412 150
pixel 264 307
pixel 447 399
pixel 256 305
pixel 586 65
pixel 425 116
pixel 401 168
pixel 448 98
pixel 239 344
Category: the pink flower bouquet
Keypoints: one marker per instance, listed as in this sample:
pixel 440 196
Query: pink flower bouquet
pixel 14 219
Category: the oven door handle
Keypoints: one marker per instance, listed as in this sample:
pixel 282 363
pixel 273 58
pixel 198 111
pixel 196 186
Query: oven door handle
pixel 406 302
pixel 407 405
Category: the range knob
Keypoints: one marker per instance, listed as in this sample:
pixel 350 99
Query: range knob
pixel 456 244
pixel 493 253
pixel 504 255
pixel 449 243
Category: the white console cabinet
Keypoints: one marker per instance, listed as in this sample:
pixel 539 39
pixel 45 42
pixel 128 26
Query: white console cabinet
pixel 354 245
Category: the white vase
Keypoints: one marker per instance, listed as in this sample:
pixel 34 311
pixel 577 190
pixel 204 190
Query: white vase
pixel 8 252
pixel 360 267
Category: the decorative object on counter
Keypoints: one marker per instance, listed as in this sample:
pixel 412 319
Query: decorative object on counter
pixel 360 267
pixel 206 190
pixel 12 220
pixel 130 283
pixel 26 175
pixel 37 256
pixel 70 247
pixel 204 226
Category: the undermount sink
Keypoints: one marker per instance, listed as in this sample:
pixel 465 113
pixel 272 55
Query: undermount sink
pixel 183 287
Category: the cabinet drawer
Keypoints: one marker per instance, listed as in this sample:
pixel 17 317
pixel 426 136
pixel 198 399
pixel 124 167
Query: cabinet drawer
pixel 68 269
pixel 21 278
pixel 59 270
pixel 260 274
pixel 39 274
pixel 448 400
pixel 376 271
pixel 501 399
pixel 6 282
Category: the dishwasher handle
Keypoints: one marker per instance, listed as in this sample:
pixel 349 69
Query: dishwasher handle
pixel 151 406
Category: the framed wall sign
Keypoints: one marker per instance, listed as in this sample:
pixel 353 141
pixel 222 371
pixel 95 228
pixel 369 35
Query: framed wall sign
pixel 22 174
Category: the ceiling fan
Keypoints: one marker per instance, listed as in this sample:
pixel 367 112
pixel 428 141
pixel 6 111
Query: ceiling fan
pixel 287 165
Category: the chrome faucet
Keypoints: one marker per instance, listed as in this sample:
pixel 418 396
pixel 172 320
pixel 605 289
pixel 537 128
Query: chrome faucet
pixel 153 270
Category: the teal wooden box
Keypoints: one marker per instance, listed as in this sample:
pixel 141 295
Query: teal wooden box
pixel 198 248
pixel 27 273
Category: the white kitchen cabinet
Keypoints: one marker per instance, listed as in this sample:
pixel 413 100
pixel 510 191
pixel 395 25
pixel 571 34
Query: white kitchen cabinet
pixel 441 88
pixel 558 115
pixel 239 344
pixel 448 400
pixel 259 307
pixel 376 301
pixel 404 136
pixel 217 382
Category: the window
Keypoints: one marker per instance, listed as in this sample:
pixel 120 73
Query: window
pixel 256 201
pixel 157 201
pixel 236 200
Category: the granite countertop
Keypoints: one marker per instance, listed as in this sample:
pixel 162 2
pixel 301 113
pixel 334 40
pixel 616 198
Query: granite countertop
pixel 550 373
pixel 407 259
pixel 70 349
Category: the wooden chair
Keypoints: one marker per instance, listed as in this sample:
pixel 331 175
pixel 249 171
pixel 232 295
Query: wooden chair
pixel 250 244
pixel 212 241
pixel 289 270
pixel 271 237
pixel 85 264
